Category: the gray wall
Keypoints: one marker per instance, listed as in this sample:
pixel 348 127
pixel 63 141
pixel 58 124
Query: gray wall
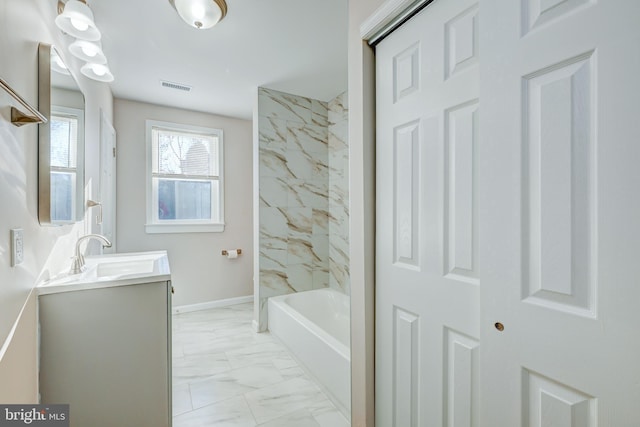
pixel 199 272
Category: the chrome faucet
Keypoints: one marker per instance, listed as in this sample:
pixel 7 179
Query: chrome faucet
pixel 77 264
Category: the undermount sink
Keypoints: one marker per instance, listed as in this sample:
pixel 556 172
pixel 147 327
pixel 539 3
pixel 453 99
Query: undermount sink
pixel 113 270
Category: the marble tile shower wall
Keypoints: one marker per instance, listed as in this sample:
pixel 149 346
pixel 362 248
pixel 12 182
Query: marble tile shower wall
pixel 294 195
pixel 304 212
pixel 339 194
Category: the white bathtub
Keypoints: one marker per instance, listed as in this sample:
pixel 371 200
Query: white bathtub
pixel 314 325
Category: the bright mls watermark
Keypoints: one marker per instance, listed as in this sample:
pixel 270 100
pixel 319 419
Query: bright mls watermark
pixel 34 415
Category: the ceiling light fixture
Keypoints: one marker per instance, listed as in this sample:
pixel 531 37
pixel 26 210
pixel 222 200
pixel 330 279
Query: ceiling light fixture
pixel 200 14
pixel 76 19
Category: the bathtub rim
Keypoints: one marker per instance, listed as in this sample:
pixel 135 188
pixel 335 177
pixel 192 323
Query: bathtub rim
pixel 280 301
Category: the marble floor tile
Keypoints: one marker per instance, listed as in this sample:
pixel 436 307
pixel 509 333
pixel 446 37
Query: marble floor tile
pixel 290 396
pixel 233 383
pixel 332 419
pixel 232 412
pixel 225 374
pixel 292 372
pixel 197 367
pixel 210 342
pixel 284 361
pixel 302 418
pixel 327 415
pixel 247 306
pixel 181 399
pixel 255 354
pixel 287 366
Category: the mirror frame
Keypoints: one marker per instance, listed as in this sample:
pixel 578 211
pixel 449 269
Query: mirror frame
pixel 44 145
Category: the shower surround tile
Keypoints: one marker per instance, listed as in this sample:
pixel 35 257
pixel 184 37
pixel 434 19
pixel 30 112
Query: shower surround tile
pixel 279 105
pixel 320 221
pixel 299 221
pixel 273 259
pixel 308 138
pixel 300 277
pixel 274 283
pixel 303 193
pixel 273 134
pixel 338 194
pixel 273 192
pixel 273 228
pixel 321 279
pixel 338 109
pixel 337 136
pixel 273 163
pixel 300 250
pixel 309 193
pixel 305 165
pixel 319 113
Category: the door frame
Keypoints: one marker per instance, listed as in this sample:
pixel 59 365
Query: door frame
pixel 362 156
pixel 108 207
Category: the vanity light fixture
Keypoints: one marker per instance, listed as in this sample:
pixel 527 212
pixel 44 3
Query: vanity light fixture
pixel 88 51
pixel 76 19
pixel 200 14
pixel 98 72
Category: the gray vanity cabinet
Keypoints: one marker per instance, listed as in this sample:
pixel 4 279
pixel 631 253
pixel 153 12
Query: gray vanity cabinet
pixel 107 353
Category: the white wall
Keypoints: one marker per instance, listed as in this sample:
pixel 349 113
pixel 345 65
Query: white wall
pixel 199 272
pixel 362 214
pixel 23 24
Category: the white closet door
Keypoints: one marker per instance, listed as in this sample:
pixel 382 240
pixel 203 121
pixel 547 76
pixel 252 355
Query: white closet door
pixel 560 213
pixel 427 283
pixel 508 215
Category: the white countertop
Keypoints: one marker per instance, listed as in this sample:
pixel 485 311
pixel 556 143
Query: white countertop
pixel 112 270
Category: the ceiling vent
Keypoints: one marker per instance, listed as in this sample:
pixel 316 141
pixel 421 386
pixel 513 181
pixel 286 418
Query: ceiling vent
pixel 176 86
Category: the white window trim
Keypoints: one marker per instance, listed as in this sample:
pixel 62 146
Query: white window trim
pixel 77 202
pixel 187 226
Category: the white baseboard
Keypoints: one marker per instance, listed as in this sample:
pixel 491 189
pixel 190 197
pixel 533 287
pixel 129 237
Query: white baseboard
pixel 211 304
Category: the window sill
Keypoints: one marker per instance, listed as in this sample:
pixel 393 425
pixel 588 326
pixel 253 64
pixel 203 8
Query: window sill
pixel 183 228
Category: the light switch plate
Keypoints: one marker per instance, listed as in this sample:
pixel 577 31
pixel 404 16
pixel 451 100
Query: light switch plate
pixel 17 247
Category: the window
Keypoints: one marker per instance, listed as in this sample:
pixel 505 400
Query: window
pixel 184 179
pixel 66 123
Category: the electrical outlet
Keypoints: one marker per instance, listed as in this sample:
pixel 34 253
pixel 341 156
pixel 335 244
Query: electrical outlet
pixel 17 247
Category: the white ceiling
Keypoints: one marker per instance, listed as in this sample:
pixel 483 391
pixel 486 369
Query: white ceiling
pixel 296 46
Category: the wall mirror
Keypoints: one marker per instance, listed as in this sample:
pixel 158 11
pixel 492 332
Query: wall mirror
pixel 60 141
